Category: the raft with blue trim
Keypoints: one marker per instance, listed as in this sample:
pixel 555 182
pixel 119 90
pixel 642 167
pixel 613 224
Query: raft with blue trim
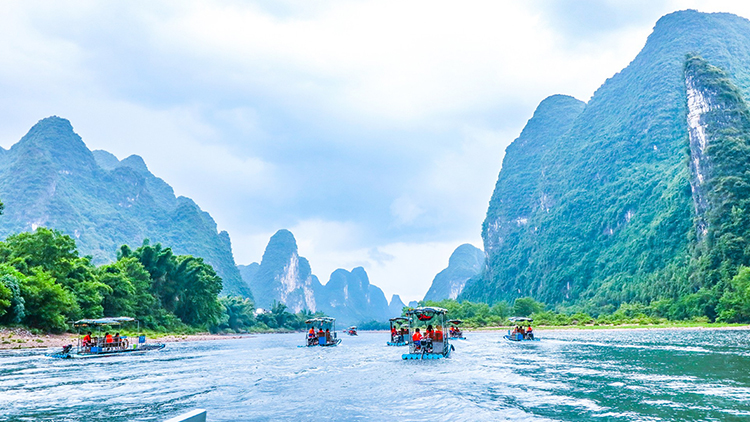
pixel 319 338
pixel 432 343
pixel 522 336
pixel 399 331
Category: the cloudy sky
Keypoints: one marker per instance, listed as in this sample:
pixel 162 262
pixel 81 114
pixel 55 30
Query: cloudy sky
pixel 373 130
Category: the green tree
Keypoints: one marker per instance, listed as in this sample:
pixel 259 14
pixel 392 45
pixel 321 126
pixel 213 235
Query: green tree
pixel 525 306
pixel 734 305
pixel 48 304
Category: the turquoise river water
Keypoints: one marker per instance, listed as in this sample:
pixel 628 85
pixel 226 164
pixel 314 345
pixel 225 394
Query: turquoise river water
pixel 626 375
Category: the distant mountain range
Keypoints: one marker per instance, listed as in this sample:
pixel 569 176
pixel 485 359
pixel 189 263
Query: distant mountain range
pixel 50 178
pixel 284 276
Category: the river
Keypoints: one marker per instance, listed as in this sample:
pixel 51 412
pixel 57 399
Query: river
pixel 626 375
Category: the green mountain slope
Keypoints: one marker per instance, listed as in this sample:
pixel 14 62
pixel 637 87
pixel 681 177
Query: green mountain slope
pixel 50 178
pixel 599 208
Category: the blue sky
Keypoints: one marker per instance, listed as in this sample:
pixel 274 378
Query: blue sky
pixel 373 130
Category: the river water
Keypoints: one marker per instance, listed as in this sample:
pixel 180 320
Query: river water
pixel 570 375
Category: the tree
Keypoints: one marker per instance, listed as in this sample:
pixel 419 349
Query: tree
pixel 525 306
pixel 48 304
pixel 734 305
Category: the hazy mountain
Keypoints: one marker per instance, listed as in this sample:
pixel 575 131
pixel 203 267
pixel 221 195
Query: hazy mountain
pixel 465 262
pixel 284 276
pixel 50 178
pixel 639 194
pixel 351 298
pixel 396 306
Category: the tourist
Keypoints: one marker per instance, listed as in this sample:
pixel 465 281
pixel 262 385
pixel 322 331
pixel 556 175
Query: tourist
pixel 328 335
pixel 529 334
pixel 428 333
pixel 87 340
pixel 116 340
pixel 417 339
pixel 108 340
pixel 438 336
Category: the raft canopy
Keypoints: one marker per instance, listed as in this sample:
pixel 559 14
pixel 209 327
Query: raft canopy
pixel 103 321
pixel 399 319
pixel 320 319
pixel 520 319
pixel 456 321
pixel 427 309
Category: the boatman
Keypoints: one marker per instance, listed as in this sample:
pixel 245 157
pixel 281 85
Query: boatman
pixel 417 339
pixel 529 334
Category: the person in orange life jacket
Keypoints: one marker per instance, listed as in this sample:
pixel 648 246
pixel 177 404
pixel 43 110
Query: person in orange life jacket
pixel 529 333
pixel 87 339
pixel 428 334
pixel 417 338
pixel 438 336
pixel 393 333
pixel 320 332
pixel 328 335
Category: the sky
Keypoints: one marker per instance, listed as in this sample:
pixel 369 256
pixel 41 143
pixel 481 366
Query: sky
pixel 373 130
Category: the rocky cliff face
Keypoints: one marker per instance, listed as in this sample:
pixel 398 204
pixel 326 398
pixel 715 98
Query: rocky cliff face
pixel 610 201
pixel 50 178
pixel 465 262
pixel 283 276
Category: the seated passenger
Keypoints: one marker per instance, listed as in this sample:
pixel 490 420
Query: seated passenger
pixel 328 335
pixel 321 333
pixel 87 340
pixel 529 333
pixel 438 336
pixel 428 334
pixel 116 340
pixel 417 339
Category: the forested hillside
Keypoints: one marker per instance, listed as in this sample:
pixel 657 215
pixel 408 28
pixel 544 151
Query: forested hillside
pixel 639 195
pixel 51 179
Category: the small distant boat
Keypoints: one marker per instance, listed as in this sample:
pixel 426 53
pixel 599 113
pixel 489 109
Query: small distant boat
pixel 454 332
pixel 104 346
pixel 352 331
pixel 429 322
pixel 522 335
pixel 399 331
pixel 325 335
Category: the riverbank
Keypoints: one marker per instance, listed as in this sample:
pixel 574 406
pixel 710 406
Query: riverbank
pixel 675 326
pixel 20 338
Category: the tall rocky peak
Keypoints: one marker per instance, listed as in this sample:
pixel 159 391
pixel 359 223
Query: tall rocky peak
pixel 50 178
pixel 465 262
pixel 599 207
pixel 396 306
pixel 284 276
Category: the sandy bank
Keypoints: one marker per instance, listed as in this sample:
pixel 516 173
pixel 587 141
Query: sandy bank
pixel 19 338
